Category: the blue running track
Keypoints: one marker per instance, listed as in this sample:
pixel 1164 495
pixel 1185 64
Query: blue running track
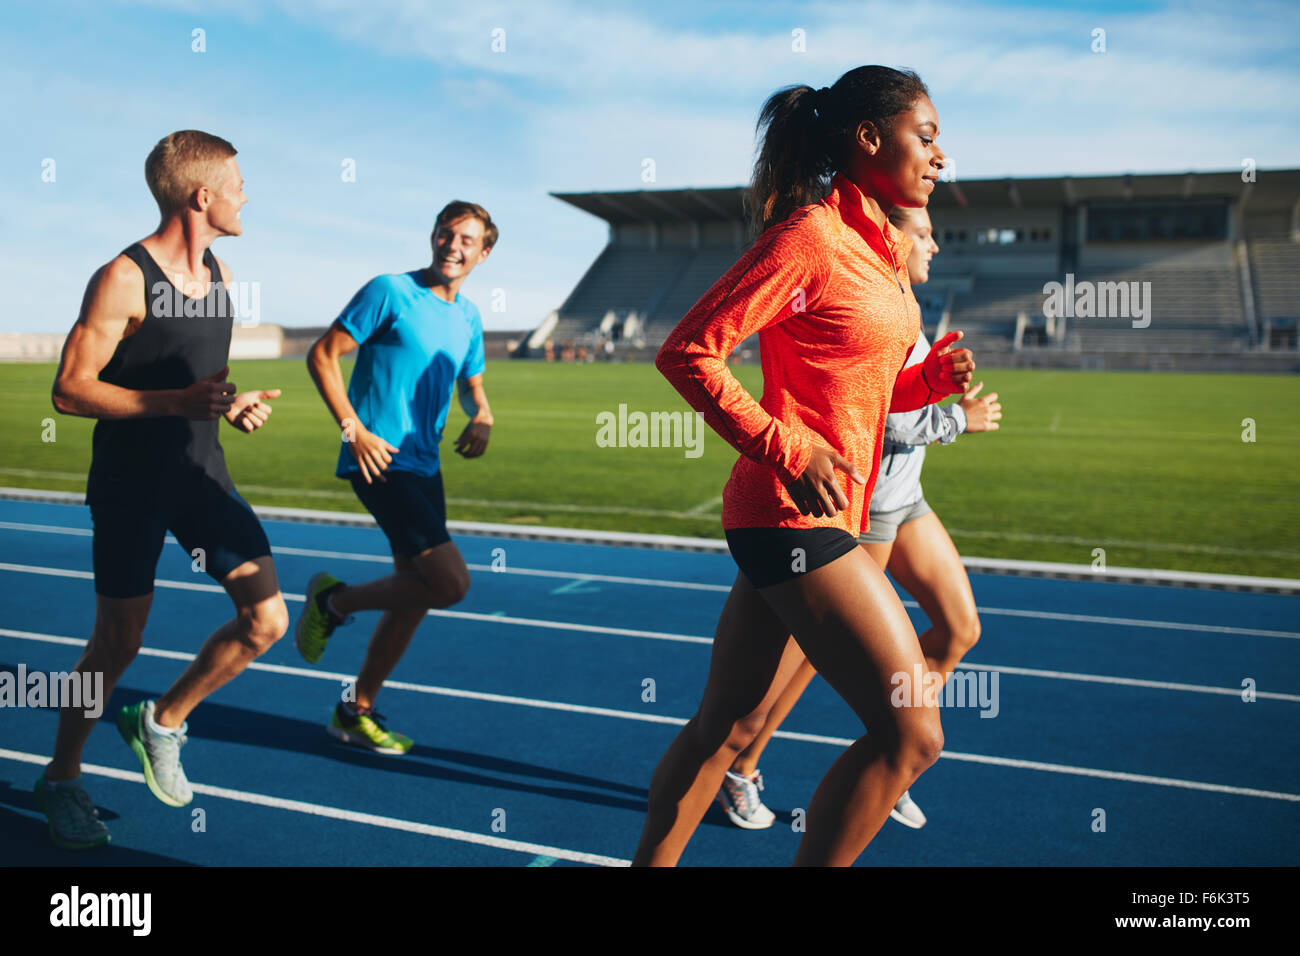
pixel 534 745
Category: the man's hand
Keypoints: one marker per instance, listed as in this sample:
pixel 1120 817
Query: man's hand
pixel 945 370
pixel 982 414
pixel 372 453
pixel 817 491
pixel 473 440
pixel 208 398
pixel 249 411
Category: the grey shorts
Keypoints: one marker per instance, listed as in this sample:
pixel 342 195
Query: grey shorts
pixel 885 524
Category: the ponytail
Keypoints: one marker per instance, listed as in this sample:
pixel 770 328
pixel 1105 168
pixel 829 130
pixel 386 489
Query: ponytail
pixel 808 135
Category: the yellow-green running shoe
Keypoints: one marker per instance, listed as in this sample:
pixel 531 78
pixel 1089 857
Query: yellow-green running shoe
pixel 366 730
pixel 159 753
pixel 74 821
pixel 317 623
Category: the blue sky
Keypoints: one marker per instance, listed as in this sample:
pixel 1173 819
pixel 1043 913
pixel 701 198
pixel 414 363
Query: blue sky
pixel 581 95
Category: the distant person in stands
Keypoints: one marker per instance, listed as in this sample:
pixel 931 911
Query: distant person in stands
pixel 420 342
pixel 906 538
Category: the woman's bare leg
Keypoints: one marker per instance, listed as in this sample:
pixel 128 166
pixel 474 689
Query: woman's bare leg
pixel 851 625
pixel 747 762
pixel 753 658
pixel 926 564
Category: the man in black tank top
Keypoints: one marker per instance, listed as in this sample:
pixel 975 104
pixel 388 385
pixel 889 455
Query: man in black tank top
pixel 147 358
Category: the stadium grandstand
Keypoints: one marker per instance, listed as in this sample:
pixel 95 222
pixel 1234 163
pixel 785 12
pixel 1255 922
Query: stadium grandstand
pixel 1221 255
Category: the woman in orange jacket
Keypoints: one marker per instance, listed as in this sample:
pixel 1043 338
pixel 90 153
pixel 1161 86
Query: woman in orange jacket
pixel 826 287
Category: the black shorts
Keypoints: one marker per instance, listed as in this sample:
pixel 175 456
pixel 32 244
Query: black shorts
pixel 129 535
pixel 770 556
pixel 410 508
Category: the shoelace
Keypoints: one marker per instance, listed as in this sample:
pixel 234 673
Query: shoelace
pixel 82 799
pixel 740 794
pixel 373 714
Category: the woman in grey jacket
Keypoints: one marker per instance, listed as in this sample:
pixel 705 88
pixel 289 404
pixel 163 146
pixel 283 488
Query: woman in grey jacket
pixel 906 538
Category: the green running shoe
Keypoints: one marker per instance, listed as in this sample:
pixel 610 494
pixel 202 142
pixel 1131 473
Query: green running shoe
pixel 366 730
pixel 159 754
pixel 317 623
pixel 74 821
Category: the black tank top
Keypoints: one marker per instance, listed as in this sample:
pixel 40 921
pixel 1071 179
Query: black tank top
pixel 180 341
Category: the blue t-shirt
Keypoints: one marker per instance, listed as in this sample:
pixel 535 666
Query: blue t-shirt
pixel 413 348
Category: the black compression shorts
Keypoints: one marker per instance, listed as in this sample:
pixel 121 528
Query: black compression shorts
pixel 217 529
pixel 770 556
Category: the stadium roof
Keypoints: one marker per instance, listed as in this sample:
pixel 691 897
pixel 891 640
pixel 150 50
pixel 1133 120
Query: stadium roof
pixel 1274 188
pixel 662 205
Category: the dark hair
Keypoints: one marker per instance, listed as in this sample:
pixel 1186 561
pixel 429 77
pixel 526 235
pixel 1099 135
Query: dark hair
pixel 808 135
pixel 459 209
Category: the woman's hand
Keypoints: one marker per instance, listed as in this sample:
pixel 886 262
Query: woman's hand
pixel 982 414
pixel 817 491
pixel 947 371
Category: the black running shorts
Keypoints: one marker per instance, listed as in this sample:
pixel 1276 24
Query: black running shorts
pixel 770 556
pixel 215 527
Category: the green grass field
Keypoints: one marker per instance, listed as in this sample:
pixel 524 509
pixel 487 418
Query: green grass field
pixel 1151 467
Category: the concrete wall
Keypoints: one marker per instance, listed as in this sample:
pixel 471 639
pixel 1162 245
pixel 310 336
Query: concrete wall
pixel 262 341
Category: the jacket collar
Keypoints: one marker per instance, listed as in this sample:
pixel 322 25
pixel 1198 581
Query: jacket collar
pixel 870 220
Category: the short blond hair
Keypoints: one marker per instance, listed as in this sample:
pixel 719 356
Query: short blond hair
pixel 181 163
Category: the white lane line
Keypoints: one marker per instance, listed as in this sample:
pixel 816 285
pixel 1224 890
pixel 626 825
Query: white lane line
pixel 722 588
pixel 433 612
pixel 1125 681
pixel 680 638
pixel 1134 622
pixel 665 635
pixel 337 678
pixel 351 816
pixel 450 692
pixel 976 565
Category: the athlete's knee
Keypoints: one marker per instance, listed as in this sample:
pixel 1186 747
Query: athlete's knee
pixel 263 623
pixel 960 631
pixel 119 640
pixel 446 588
pixel 719 732
pixel 744 731
pixel 965 631
pixel 920 745
pixel 916 745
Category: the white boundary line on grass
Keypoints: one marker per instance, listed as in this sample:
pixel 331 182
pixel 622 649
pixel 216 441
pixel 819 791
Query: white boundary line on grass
pixel 337 678
pixel 351 816
pixel 1082 572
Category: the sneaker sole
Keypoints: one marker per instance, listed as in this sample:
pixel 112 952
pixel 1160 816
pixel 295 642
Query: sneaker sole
pixel 358 740
pixel 57 840
pixel 132 737
pixel 297 631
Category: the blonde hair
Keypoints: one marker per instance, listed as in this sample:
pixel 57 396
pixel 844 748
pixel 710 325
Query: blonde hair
pixel 181 163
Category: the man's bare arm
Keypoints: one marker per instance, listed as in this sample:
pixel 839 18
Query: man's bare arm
pixel 372 453
pixel 473 399
pixel 113 302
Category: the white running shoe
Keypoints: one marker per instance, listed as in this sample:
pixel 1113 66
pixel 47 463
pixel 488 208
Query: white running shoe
pixel 739 797
pixel 908 813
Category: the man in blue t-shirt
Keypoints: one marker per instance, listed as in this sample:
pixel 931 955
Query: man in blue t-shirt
pixel 420 340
